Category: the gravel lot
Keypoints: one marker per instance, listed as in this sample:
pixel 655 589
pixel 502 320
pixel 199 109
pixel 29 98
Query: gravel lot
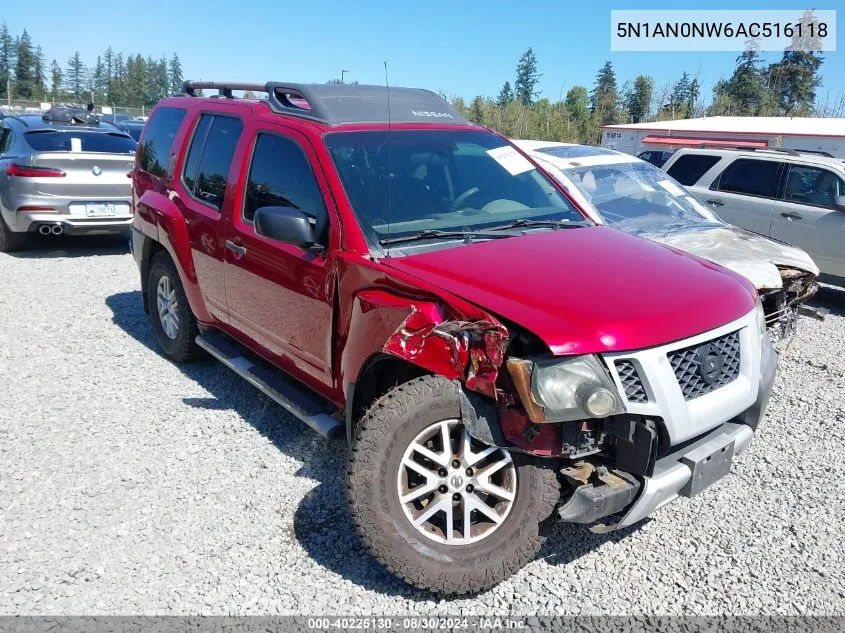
pixel 129 485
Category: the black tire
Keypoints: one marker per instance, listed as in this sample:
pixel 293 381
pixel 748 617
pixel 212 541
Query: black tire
pixel 10 240
pixel 183 347
pixel 381 438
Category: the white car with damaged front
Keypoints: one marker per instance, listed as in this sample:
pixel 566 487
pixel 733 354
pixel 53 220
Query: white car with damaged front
pixel 634 196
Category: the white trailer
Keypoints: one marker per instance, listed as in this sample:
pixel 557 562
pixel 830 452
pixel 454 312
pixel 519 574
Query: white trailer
pixel 799 133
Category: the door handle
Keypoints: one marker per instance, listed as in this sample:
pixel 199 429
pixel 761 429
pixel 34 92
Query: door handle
pixel 715 203
pixel 237 249
pixel 791 216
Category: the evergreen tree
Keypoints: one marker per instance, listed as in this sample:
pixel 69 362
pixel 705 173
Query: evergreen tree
pixel 505 95
pixel 7 58
pixel 795 78
pixel 605 95
pixel 692 97
pixel 527 78
pixel 76 76
pixel 746 89
pixel 108 63
pixel 99 80
pixel 55 80
pixel 476 110
pixel 176 79
pixel 39 76
pixel 680 97
pixel 25 67
pixel 638 99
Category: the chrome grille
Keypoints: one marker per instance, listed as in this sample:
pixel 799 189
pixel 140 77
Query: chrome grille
pixel 631 382
pixel 703 368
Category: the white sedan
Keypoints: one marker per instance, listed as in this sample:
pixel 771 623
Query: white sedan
pixel 634 196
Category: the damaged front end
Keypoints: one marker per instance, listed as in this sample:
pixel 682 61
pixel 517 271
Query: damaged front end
pixel 620 453
pixel 783 305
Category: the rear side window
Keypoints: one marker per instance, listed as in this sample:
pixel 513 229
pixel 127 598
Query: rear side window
pixel 751 177
pixel 158 139
pixel 89 141
pixel 281 176
pixel 5 139
pixel 689 168
pixel 210 157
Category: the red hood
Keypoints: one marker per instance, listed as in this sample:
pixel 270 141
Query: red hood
pixel 590 289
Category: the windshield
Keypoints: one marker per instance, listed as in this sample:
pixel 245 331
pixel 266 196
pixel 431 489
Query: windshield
pixel 440 180
pixel 90 141
pixel 638 194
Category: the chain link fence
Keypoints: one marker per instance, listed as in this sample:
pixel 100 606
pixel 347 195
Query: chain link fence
pixel 18 106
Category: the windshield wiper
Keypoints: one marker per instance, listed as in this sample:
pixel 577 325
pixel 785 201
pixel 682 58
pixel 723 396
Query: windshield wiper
pixel 518 224
pixel 433 234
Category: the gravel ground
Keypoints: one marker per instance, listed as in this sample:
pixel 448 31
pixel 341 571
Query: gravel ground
pixel 129 485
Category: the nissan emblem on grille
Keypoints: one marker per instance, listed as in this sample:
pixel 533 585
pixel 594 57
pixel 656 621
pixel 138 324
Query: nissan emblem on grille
pixel 703 368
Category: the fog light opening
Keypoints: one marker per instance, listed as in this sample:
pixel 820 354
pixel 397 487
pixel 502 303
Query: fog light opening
pixel 600 403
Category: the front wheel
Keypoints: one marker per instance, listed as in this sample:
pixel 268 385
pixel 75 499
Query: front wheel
pixel 436 507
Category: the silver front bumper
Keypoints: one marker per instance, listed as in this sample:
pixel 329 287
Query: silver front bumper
pixel 673 475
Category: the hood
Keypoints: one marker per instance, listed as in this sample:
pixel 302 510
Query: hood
pixel 586 290
pixel 751 255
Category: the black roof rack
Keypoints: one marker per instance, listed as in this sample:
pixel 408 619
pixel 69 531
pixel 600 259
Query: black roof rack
pixel 336 104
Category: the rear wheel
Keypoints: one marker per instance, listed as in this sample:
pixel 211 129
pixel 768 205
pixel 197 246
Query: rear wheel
pixel 10 240
pixel 174 325
pixel 436 507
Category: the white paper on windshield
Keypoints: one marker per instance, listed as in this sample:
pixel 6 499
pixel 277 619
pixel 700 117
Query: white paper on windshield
pixel 510 159
pixel 75 144
pixel 671 187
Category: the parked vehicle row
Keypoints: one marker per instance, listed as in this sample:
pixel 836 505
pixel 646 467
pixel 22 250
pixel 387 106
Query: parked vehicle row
pixel 396 276
pixel 634 196
pixel 794 196
pixel 63 171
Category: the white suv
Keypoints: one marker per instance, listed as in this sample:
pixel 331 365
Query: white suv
pixel 793 196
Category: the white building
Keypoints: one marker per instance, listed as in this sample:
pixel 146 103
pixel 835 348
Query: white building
pixel 800 133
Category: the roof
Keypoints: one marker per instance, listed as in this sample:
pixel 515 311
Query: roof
pixel 764 125
pixel 565 155
pixel 770 153
pixel 338 104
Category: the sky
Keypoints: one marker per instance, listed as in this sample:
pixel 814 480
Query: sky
pixel 460 47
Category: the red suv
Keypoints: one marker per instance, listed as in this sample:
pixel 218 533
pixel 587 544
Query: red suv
pixel 390 273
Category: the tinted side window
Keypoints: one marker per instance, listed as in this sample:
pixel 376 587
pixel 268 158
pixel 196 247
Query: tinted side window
pixel 281 176
pixel 5 138
pixel 212 171
pixel 195 151
pixel 811 185
pixel 158 139
pixel 690 167
pixel 752 177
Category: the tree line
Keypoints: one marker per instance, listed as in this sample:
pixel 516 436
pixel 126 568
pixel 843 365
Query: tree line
pixel 113 79
pixel 786 87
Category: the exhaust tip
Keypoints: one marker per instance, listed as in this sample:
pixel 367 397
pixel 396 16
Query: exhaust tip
pixel 57 229
pixel 44 229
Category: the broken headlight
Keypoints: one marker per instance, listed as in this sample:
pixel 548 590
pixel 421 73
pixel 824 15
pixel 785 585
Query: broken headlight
pixel 574 389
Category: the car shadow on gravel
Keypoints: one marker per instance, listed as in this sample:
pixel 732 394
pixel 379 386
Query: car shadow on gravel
pixel 321 522
pixel 52 247
pixel 831 298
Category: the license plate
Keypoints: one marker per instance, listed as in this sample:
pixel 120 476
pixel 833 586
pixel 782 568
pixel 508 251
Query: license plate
pixel 100 210
pixel 708 463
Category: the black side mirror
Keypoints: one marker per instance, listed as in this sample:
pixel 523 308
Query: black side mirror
pixel 285 224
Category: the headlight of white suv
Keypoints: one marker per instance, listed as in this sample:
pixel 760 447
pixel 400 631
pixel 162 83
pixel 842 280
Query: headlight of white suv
pixel 574 389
